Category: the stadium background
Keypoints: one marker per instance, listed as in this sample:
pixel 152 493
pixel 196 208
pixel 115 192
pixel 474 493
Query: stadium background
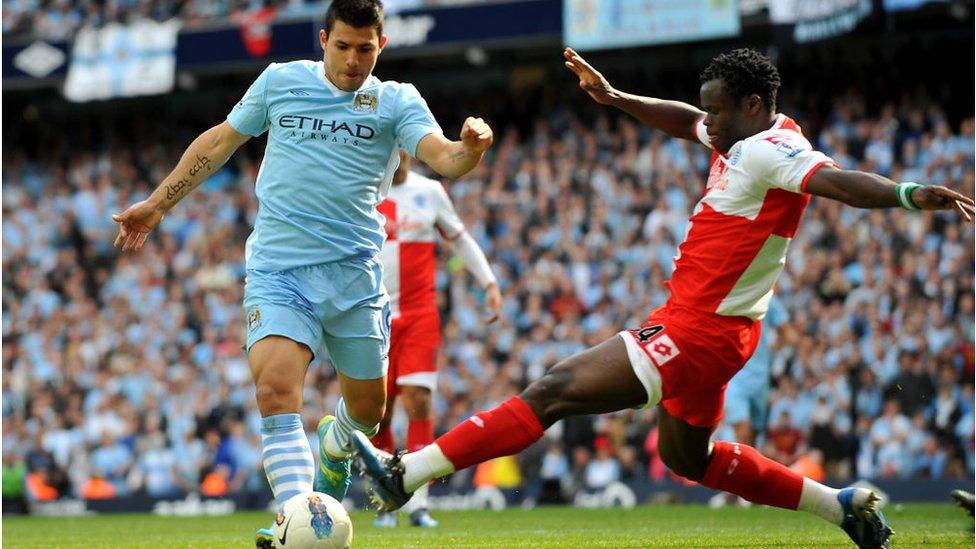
pixel 123 380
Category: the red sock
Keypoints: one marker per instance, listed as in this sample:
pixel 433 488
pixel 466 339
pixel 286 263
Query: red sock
pixel 420 433
pixel 383 439
pixel 504 430
pixel 741 470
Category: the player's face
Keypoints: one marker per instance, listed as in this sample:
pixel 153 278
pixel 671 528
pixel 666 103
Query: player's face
pixel 350 54
pixel 727 120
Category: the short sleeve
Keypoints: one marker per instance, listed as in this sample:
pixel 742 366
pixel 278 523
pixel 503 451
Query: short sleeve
pixel 784 161
pixel 448 222
pixel 414 119
pixel 250 115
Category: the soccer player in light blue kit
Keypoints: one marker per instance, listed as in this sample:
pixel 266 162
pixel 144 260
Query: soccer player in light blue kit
pixel 313 277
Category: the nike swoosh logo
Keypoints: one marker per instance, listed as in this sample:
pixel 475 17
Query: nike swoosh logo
pixel 284 533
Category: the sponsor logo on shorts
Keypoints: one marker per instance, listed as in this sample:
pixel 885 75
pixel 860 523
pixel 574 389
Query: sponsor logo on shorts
pixel 253 319
pixel 661 349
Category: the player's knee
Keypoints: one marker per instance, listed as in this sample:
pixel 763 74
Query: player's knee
pixel 417 402
pixel 367 409
pixel 686 462
pixel 548 395
pixel 277 397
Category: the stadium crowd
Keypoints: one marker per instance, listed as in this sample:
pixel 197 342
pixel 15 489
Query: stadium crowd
pixel 61 19
pixel 124 373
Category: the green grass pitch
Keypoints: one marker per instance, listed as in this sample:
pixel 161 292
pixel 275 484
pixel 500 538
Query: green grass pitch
pixel 919 525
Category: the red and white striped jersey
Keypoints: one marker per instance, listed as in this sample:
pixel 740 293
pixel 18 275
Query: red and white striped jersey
pixel 738 233
pixel 415 211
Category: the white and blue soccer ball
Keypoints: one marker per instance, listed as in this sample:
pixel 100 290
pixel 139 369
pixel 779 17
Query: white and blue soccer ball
pixel 312 520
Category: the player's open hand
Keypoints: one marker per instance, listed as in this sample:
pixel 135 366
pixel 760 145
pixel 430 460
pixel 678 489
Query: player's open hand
pixel 493 302
pixel 476 134
pixel 590 79
pixel 135 224
pixel 935 197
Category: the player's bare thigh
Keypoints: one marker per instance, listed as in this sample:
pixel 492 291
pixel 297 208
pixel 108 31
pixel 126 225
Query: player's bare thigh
pixel 278 365
pixel 596 381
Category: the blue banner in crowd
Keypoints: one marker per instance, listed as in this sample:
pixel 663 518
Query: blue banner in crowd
pixel 596 24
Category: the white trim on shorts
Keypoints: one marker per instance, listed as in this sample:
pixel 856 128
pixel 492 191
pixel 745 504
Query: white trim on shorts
pixel 419 379
pixel 645 370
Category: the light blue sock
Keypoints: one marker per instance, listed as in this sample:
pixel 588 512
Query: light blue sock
pixel 337 439
pixel 287 457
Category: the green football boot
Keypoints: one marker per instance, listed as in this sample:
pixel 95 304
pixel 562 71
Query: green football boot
pixel 332 477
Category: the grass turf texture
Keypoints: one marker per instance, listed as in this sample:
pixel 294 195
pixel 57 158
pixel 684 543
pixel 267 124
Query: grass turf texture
pixel 918 525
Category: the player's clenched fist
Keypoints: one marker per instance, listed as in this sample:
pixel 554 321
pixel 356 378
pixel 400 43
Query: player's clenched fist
pixel 476 134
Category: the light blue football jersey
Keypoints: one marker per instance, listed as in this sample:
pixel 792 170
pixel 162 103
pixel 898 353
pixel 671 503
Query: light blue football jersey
pixel 330 158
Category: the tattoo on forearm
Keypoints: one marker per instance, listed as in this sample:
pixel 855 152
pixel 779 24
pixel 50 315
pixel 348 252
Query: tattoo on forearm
pixel 201 163
pixel 178 190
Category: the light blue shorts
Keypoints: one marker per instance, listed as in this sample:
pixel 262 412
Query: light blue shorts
pixel 339 307
pixel 747 401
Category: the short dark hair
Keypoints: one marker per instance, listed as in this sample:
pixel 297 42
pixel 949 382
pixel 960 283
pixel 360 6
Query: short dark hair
pixel 744 72
pixel 355 13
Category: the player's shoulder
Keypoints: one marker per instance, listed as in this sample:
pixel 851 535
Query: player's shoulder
pixel 400 91
pixel 294 72
pixel 300 66
pixel 784 129
pixel 784 138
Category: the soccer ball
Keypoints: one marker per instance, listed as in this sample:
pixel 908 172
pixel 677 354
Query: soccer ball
pixel 312 520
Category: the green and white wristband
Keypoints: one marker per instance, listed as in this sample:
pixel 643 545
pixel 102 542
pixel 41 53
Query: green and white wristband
pixel 904 192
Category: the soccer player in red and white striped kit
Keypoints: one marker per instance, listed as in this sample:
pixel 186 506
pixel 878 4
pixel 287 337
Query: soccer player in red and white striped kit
pixel 417 210
pixel 763 174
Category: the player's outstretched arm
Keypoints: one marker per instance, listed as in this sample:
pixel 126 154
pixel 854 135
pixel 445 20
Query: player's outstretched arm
pixel 868 190
pixel 208 152
pixel 477 264
pixel 455 158
pixel 672 117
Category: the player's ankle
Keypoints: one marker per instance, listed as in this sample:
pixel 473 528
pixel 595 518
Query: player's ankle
pixel 821 500
pixel 423 466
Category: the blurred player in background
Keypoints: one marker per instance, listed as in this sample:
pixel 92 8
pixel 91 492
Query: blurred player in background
pixel 762 176
pixel 747 396
pixel 314 278
pixel 416 209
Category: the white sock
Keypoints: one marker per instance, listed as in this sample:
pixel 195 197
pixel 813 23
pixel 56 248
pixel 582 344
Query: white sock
pixel 287 457
pixel 423 466
pixel 337 444
pixel 419 499
pixel 822 500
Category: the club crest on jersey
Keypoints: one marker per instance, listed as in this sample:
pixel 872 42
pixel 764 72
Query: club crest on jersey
pixel 253 319
pixel 365 101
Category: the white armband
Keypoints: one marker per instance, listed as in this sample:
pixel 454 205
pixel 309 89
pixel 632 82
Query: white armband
pixel 474 259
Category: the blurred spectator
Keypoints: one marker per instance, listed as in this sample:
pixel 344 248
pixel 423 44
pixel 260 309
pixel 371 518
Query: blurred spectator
pixel 14 484
pixel 604 467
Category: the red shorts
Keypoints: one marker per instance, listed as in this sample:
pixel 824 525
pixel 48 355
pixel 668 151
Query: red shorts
pixel 414 341
pixel 685 358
